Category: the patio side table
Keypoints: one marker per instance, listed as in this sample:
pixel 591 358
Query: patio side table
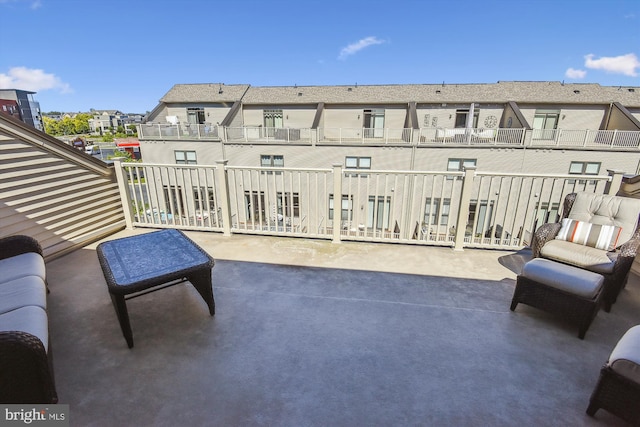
pixel 137 265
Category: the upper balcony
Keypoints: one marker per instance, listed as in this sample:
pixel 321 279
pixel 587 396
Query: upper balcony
pixel 509 137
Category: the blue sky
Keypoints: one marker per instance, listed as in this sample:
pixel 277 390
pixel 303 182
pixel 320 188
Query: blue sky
pixel 126 54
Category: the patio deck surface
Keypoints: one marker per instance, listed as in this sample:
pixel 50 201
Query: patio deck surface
pixel 311 333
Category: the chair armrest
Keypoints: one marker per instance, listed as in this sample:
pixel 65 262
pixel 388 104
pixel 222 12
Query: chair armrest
pixel 544 234
pixel 17 245
pixel 626 255
pixel 26 374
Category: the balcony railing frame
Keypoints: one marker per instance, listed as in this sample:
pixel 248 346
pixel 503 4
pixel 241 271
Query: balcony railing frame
pixel 462 209
pixel 512 137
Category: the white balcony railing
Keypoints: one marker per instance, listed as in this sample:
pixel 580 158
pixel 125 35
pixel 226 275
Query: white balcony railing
pixel 178 131
pixel 617 139
pixel 457 209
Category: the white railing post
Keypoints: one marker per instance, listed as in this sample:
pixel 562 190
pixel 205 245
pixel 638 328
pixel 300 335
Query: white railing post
pixel 199 137
pixel 613 138
pixel 613 186
pixel 337 202
pixel 586 138
pixel 225 201
pixel 463 209
pixel 124 192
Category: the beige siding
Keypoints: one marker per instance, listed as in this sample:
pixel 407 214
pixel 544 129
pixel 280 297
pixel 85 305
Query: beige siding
pixel 581 117
pixel 571 117
pixel 394 157
pixel 343 117
pixel 58 202
pixel 207 152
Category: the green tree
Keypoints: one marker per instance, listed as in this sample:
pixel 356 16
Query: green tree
pixel 124 154
pixel 66 126
pixel 107 137
pixel 51 126
pixel 81 123
pixel 133 128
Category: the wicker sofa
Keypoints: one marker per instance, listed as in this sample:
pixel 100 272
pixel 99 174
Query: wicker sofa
pixel 26 371
pixel 613 263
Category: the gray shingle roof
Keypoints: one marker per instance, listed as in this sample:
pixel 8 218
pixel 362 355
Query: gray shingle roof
pixel 205 92
pixel 501 92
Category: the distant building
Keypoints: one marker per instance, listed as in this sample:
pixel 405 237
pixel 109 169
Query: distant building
pixel 109 120
pixel 28 108
pixel 10 108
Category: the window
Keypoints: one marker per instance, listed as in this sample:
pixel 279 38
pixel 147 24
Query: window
pixel 289 201
pixel 271 161
pixel 433 210
pixel 185 157
pixel 373 123
pixel 273 119
pixel 584 168
pixel 379 212
pixel 347 208
pixel 544 215
pixel 357 163
pixel 173 199
pixel 255 205
pixel 482 213
pixel 204 198
pixel 461 118
pixel 545 123
pixel 459 165
pixel 195 115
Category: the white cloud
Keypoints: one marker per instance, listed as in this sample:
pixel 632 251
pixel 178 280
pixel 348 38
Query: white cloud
pixel 572 73
pixel 34 4
pixel 356 47
pixel 33 80
pixel 623 64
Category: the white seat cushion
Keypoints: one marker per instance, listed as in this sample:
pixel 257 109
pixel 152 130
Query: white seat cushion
pixel 581 256
pixel 29 290
pixel 29 319
pixel 29 264
pixel 570 279
pixel 625 357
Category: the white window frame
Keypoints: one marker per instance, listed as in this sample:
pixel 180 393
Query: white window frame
pixel 185 157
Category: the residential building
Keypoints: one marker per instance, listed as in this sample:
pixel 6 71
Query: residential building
pixel 28 107
pixel 109 120
pixel 527 127
pixel 10 108
pixel 105 121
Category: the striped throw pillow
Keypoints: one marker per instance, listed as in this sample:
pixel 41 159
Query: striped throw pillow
pixel 598 236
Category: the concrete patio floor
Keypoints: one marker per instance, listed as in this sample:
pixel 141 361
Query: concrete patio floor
pixel 311 333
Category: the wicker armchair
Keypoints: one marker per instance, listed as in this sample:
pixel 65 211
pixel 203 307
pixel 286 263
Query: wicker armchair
pixel 617 263
pixel 26 370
